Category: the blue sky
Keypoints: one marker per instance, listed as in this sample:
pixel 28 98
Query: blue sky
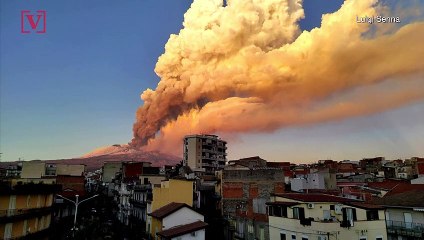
pixel 77 87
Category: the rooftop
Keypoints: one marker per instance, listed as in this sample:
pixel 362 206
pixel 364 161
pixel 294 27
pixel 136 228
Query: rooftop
pixel 404 197
pixel 314 197
pixel 167 210
pixel 182 229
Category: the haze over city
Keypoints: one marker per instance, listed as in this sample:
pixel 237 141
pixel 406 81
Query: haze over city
pixel 297 88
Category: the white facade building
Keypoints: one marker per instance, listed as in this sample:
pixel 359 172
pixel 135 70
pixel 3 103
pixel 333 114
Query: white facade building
pixel 297 216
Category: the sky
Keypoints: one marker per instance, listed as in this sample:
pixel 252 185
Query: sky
pixel 77 87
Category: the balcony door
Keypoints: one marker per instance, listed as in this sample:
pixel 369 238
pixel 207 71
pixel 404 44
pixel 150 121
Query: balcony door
pixel 408 220
pixel 12 205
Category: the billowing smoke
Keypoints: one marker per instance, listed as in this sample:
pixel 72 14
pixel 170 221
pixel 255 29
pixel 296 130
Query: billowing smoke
pixel 247 67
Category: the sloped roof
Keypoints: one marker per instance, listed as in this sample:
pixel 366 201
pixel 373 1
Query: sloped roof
pixel 405 187
pixel 408 199
pixel 314 197
pixel 367 206
pixel 167 210
pixel 281 203
pixel 182 229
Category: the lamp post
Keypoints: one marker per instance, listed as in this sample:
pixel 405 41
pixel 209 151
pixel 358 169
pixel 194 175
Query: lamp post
pixel 76 203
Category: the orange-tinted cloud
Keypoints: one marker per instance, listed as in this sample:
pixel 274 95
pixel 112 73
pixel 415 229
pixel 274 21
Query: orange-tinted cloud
pixel 246 67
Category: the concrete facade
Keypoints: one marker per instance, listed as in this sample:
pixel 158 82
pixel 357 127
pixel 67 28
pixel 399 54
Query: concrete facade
pixel 70 169
pixel 323 220
pixel 244 193
pixel 204 152
pixel 109 171
pixel 33 169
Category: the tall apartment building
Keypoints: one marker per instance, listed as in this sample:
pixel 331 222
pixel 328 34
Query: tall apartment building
pixel 204 152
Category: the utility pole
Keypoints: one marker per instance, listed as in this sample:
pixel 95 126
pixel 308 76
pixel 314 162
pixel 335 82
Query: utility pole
pixel 76 203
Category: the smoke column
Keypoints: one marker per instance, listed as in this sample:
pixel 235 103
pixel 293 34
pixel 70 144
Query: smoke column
pixel 247 67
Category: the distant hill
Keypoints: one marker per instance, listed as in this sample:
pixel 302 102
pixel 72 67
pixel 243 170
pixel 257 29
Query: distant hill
pixel 95 159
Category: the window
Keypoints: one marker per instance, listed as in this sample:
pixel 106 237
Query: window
pixel 326 214
pixel 331 207
pixel 278 211
pixel 363 238
pixel 305 238
pixel 379 238
pixel 261 233
pixel 283 236
pixel 408 219
pixel 349 216
pixel 193 234
pixel 293 236
pixel 372 215
pixel 259 205
pixel 250 228
pixel 298 213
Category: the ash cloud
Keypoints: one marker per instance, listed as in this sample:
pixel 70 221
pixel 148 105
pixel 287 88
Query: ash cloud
pixel 247 67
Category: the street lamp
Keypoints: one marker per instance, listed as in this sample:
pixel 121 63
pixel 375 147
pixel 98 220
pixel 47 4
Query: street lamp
pixel 76 203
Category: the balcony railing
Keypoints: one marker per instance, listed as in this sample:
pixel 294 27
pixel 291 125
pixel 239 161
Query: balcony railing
pixel 21 213
pixel 405 228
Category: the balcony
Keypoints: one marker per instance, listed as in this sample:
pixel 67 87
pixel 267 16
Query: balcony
pixel 406 229
pixel 16 214
pixel 138 202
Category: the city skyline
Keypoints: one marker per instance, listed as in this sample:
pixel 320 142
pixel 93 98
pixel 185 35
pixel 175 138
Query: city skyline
pixel 77 88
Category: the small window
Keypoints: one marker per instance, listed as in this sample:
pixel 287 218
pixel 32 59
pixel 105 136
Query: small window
pixel 193 234
pixel 372 215
pixel 331 207
pixel 283 236
pixel 363 238
pixel 293 236
pixel 305 238
pixel 379 238
pixel 298 213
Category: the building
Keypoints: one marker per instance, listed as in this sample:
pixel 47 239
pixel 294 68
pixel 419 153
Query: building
pixel 173 190
pixel 321 216
pixel 177 221
pixel 204 153
pixel 33 169
pixel 70 169
pixel 404 212
pixel 25 209
pixel 109 171
pixel 244 187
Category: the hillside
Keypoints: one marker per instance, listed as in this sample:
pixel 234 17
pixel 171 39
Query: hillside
pixel 95 159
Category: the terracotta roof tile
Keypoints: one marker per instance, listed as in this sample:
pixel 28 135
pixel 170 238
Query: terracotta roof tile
pixel 182 229
pixel 280 203
pixel 314 197
pixel 167 209
pixel 365 205
pixel 409 199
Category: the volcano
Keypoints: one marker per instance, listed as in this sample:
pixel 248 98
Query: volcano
pixel 118 152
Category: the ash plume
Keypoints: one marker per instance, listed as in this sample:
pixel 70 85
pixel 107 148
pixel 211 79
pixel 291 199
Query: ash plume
pixel 247 67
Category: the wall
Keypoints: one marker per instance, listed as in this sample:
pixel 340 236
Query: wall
pixel 109 171
pixel 192 152
pixel 153 179
pixel 396 214
pixel 180 191
pixel 181 217
pixel 70 169
pixel 23 227
pixel 371 229
pixel 33 169
pixel 200 235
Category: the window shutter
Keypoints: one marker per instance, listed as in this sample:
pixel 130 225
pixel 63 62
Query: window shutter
pixel 354 214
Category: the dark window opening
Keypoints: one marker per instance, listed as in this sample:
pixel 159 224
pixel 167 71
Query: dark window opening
pixel 372 215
